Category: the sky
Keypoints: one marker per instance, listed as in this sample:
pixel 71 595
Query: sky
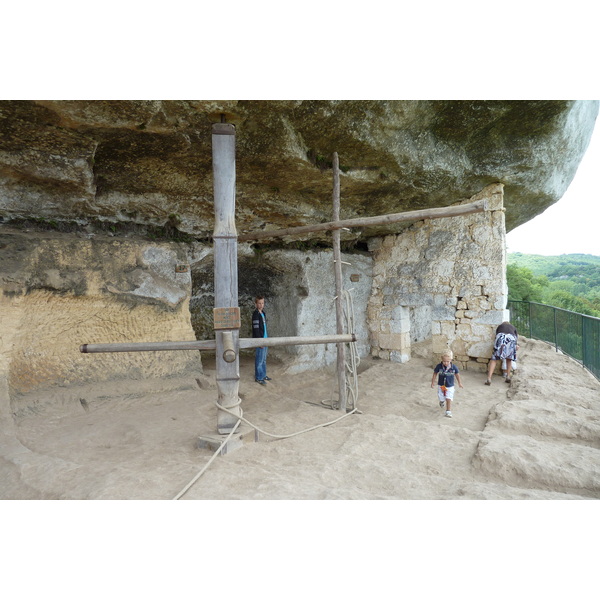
pixel 569 226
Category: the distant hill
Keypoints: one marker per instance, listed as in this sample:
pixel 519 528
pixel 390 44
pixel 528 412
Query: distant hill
pixel 570 281
pixel 556 266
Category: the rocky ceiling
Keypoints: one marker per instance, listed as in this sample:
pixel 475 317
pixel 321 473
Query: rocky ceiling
pixel 148 163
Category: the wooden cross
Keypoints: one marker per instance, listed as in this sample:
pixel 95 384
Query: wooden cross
pixel 227 342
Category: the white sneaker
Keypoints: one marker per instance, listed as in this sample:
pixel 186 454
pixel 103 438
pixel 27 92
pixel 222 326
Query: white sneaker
pixel 449 413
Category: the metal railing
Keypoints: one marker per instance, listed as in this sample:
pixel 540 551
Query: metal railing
pixel 572 333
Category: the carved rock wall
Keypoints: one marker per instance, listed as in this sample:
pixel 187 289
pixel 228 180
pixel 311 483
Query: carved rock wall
pixel 60 291
pixel 304 304
pixel 299 290
pixel 444 280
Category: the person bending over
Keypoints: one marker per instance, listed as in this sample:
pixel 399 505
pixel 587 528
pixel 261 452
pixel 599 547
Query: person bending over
pixel 505 348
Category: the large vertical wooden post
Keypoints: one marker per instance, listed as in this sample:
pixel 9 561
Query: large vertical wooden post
pixel 337 265
pixel 226 275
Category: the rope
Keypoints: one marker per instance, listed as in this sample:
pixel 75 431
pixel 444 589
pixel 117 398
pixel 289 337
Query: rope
pixel 273 435
pixel 193 481
pixel 352 357
pixel 289 435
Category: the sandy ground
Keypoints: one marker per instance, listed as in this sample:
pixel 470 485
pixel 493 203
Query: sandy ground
pixel 536 438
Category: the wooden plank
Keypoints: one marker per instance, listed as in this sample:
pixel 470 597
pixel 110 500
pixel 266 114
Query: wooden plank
pixel 225 272
pixel 415 215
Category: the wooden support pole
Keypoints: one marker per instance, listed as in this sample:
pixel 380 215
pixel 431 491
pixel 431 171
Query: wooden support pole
pixel 225 274
pixel 243 343
pixel 337 268
pixel 414 215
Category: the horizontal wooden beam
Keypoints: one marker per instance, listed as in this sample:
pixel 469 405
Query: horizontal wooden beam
pixel 297 341
pixel 211 344
pixel 148 346
pixel 414 215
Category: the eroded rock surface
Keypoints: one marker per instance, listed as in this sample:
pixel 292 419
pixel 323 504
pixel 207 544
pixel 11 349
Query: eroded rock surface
pixel 61 290
pixel 149 162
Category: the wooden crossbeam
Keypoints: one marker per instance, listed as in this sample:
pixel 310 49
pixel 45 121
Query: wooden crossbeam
pixel 413 215
pixel 212 345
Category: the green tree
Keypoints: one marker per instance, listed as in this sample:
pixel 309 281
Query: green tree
pixel 524 285
pixel 566 300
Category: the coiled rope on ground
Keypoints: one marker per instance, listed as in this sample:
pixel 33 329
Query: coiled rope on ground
pixel 273 435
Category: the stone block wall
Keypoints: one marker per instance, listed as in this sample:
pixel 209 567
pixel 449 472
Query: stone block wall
pixel 443 280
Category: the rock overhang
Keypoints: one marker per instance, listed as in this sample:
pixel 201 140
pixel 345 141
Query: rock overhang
pixel 149 163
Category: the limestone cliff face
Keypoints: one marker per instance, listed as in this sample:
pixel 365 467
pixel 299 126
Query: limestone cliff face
pixel 61 290
pixel 127 163
pixel 94 175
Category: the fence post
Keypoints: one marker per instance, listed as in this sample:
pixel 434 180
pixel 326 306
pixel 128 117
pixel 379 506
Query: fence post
pixel 530 322
pixel 555 334
pixel 583 341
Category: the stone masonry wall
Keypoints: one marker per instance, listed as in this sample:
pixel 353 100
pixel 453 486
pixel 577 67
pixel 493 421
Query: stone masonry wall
pixel 443 280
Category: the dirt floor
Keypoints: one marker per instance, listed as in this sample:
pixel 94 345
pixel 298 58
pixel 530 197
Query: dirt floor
pixel 536 438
